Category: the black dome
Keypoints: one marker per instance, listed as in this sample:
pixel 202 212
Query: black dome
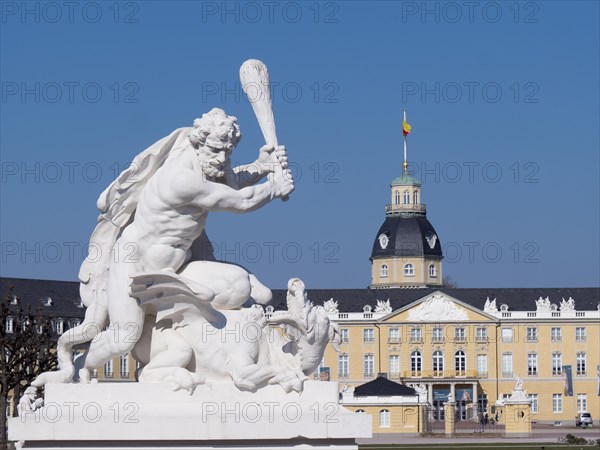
pixel 408 236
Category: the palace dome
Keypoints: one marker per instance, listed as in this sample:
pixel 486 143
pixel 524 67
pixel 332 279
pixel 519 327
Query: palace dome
pixel 412 236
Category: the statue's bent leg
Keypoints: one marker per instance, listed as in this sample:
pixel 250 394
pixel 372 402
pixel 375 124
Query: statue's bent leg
pixel 123 332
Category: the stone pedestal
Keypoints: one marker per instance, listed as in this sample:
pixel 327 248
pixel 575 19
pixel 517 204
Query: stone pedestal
pixel 449 418
pixel 517 418
pixel 148 416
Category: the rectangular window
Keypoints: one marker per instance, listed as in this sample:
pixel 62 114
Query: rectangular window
pixel 534 402
pixel 108 369
pixel 368 335
pixel 459 334
pixel 415 334
pixel 581 402
pixel 343 366
pixel 482 363
pixel 394 366
pixel 580 334
pixel 394 335
pixel 532 334
pixel 482 334
pixel 507 365
pixel 556 363
pixel 369 365
pixel 438 334
pixel 345 335
pixel 557 405
pixel 556 334
pixel 532 364
pixel 581 363
pixel 124 366
pixel 507 335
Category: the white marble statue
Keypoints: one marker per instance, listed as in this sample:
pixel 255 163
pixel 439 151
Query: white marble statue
pixel 519 384
pixel 518 393
pixel 331 306
pixel 383 306
pixel 29 401
pixel 151 223
pixel 543 305
pixel 567 305
pixel 490 306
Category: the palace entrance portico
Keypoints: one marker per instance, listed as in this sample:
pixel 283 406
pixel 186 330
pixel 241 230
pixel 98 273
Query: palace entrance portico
pixel 470 403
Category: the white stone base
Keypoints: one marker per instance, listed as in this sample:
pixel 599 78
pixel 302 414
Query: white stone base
pixel 215 416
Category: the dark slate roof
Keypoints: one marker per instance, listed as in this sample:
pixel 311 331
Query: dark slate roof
pixel 64 295
pixel 382 387
pixel 408 237
pixel 517 299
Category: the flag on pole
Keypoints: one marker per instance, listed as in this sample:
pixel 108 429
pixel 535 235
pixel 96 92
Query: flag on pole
pixel 405 128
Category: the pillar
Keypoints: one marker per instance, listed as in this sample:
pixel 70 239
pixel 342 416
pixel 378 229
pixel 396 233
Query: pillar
pixel 517 418
pixel 450 418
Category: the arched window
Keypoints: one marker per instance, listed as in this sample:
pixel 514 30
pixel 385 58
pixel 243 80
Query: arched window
pixel 415 198
pixel 397 197
pixel 460 361
pixel 416 361
pixel 360 411
pixel 432 271
pixel 438 361
pixel 406 198
pixel 409 270
pixel 384 418
pixel 383 270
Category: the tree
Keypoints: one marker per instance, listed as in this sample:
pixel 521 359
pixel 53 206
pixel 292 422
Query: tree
pixel 28 346
pixel 449 283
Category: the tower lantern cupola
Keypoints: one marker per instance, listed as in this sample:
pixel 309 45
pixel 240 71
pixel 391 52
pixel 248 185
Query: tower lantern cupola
pixel 407 252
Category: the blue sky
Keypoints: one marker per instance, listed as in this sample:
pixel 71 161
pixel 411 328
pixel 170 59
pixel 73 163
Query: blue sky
pixel 503 100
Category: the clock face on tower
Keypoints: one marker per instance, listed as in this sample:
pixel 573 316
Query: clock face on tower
pixel 383 241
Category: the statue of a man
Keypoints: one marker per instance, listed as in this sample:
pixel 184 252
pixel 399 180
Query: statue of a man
pixel 152 219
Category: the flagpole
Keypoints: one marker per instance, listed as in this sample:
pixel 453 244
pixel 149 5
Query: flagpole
pixel 405 164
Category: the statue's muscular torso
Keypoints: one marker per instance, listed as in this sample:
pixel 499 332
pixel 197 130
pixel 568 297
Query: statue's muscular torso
pixel 165 227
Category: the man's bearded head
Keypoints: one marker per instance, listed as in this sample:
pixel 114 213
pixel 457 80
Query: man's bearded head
pixel 214 132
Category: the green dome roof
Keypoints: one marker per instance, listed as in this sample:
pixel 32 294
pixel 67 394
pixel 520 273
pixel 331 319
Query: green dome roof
pixel 406 179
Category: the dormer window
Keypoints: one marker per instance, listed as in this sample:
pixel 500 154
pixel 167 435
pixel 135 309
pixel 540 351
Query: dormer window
pixel 409 270
pixel 47 301
pixel 406 198
pixel 14 300
pixel 269 310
